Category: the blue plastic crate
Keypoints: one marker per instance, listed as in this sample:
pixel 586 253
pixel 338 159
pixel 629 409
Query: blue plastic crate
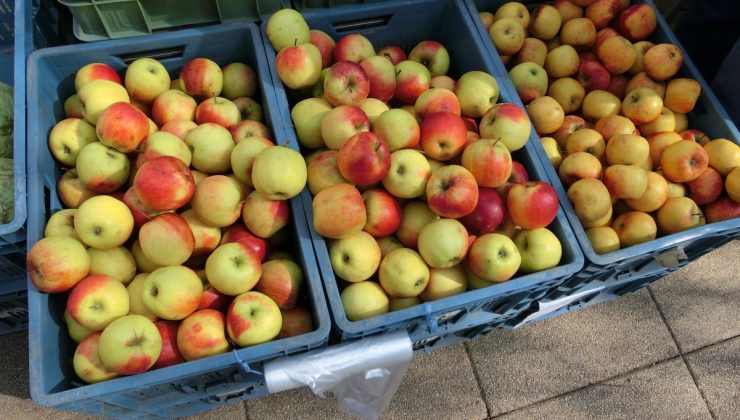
pixel 666 253
pixel 6 22
pixel 177 390
pixel 453 319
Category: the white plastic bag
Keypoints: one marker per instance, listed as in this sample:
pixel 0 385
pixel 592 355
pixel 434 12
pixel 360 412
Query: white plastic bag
pixel 362 375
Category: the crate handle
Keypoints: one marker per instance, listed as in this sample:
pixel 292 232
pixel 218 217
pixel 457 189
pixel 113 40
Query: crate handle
pixel 361 25
pixel 244 366
pixel 160 54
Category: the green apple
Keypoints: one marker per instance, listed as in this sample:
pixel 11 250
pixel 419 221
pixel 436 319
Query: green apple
pixel 539 248
pixel 249 108
pixel 173 292
pixel 443 243
pixel 76 331
pixel 408 174
pixel 102 169
pixel 167 239
pixel 279 173
pixel 62 223
pixel 388 244
pixel 130 345
pixel 474 281
pixel 264 217
pixel 233 268
pixel 299 67
pixel 253 318
pixel 96 95
pixel 202 334
pixel 287 27
pixel 281 280
pixel 239 80
pixel 415 216
pixel 87 363
pixel 433 55
pixel 307 115
pixel 494 257
pixel 97 300
pixel 143 264
pixel 116 262
pixel 365 299
pixel 68 137
pixel 135 291
pixel 356 257
pixel 373 108
pixel 211 146
pixel 477 92
pixel 603 239
pixel 530 81
pixel 506 122
pixel 145 79
pixel 103 222
pixel 396 304
pixel 218 200
pixel 445 282
pixel 403 273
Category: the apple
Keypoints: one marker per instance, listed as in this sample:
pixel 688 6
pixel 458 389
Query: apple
pixel 218 200
pixel 593 76
pixel 586 140
pixel 364 159
pixel 617 54
pixel 659 142
pixel 249 128
pixel 164 183
pixel 338 211
pixel 602 12
pixel 306 116
pixel 383 213
pixel 348 83
pixel 568 9
pixel 140 212
pixel 568 92
pixel 637 22
pixel 452 191
pixel 494 257
pixel 279 173
pixel 130 345
pixel 172 292
pixel 143 264
pixel 71 190
pixel 253 318
pixel 373 108
pixel 95 71
pixel 341 123
pixel 642 80
pixel 732 184
pixel 179 128
pixel 87 364
pixel 76 331
pixel 356 257
pixel 603 239
pixel 433 56
pixel 562 61
pixel 627 149
pixel 97 300
pixel 693 135
pixel 145 79
pixel 217 110
pixel 287 27
pixel 612 125
pixel 707 187
pixel 167 240
pixel 634 228
pixel 532 205
pixel 364 300
pixel 61 223
pixel 264 217
pixel 514 10
pixel 325 44
pixel 641 48
pixel 163 143
pixel 662 61
pixel 681 94
pixel 239 233
pixel 408 174
pixel 415 216
pixel 625 181
pixel 323 172
pixel 248 108
pixel 487 215
pixel 353 48
pixel 201 77
pixel 530 81
pixel 684 161
pixel 599 104
pixel 679 214
pixel 443 243
pixel 117 263
pixel 202 334
pixel 243 156
pixel 68 137
pixel 102 169
pixel 444 282
pixel 618 85
pixel 682 122
pixel 211 145
pixel 602 35
pixel 550 145
pixel 437 100
pixel 666 121
pixel 403 273
pixel 206 237
pixel 721 209
pixel 533 51
pixel 489 161
pixel 579 33
pixel 388 244
pixel 55 264
pixel 398 128
pixel 135 291
pixel 507 35
pixel 170 354
pixel 571 123
pixel 539 249
pixel 296 321
pixel 546 114
pixel 506 122
pixel 393 53
pixel 545 22
pixel 412 79
pixel 590 198
pixel 233 268
pixel 477 93
pixel 103 222
pixel 240 80
pixel 96 95
pixel 642 106
pixel 443 136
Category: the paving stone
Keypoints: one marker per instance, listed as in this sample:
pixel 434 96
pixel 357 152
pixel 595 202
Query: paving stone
pixel 662 391
pixel 717 371
pixel 236 411
pixel 546 359
pixel 701 302
pixel 438 385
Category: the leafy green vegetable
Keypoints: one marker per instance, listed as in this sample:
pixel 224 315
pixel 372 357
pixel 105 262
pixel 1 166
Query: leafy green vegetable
pixel 6 121
pixel 7 191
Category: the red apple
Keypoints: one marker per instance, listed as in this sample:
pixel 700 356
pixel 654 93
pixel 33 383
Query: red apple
pixel 452 192
pixel 325 44
pixel 201 77
pixel 487 215
pixel 239 233
pixel 721 209
pixel 382 77
pixel 364 159
pixel 281 280
pixel 122 127
pixel 170 354
pixel 489 161
pixel 346 84
pixel 173 105
pixel 354 48
pixel 519 173
pixel 393 53
pixel 296 321
pixel 139 210
pixel 95 71
pixel 383 213
pixel 593 76
pixel 637 22
pixel 443 136
pixel 707 187
pixel 532 205
pixel 602 12
pixel 219 111
pixel 164 183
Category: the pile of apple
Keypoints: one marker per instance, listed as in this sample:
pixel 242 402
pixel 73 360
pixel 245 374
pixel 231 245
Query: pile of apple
pixel 411 171
pixel 151 248
pixel 613 119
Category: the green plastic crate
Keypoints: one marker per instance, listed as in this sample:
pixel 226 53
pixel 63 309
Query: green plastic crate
pixel 96 20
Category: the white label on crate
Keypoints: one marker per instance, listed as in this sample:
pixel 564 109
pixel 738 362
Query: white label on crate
pixel 447 315
pixel 670 258
pixel 550 306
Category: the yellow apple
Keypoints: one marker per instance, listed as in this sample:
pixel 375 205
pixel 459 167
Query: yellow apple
pixel 603 239
pixel 655 195
pixel 678 214
pixel 724 155
pixel 546 114
pixel 634 227
pixel 599 103
pixel 627 149
pixel 590 198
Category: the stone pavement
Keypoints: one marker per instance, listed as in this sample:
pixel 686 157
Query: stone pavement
pixel 671 350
